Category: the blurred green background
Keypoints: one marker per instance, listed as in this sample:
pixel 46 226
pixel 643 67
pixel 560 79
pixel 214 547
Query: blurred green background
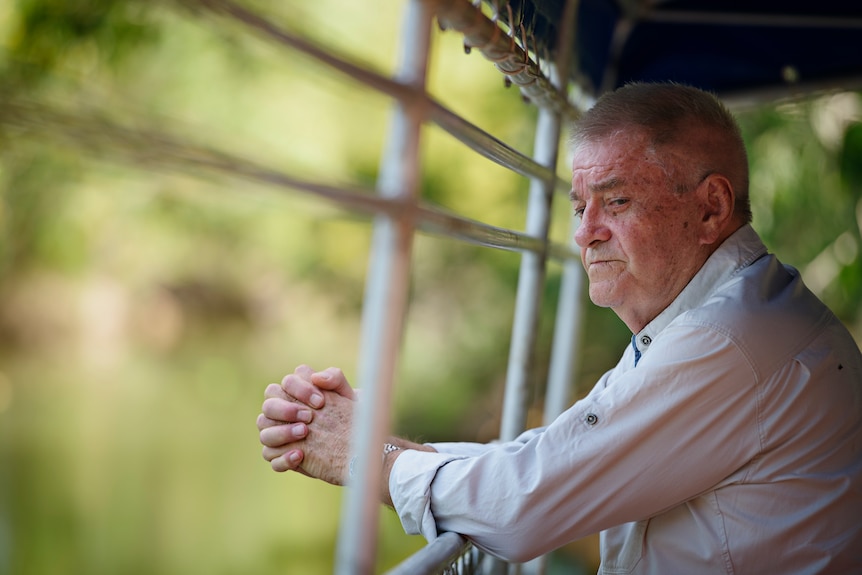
pixel 143 310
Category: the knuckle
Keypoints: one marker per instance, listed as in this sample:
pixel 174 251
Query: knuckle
pixel 274 408
pixel 270 453
pixel 335 373
pixel 299 389
pixel 273 390
pixel 267 454
pixel 291 382
pixel 265 437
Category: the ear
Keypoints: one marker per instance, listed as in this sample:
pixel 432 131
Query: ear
pixel 718 198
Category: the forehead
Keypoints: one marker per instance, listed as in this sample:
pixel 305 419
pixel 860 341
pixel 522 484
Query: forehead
pixel 611 162
pixel 610 150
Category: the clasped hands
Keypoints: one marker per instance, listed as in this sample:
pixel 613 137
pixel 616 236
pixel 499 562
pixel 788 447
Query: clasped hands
pixel 306 422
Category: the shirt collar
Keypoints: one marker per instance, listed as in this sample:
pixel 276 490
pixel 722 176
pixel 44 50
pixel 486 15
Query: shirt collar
pixel 738 251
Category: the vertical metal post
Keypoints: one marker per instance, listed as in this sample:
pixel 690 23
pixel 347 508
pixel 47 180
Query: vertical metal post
pixel 568 321
pixel 385 304
pixel 528 301
pixel 566 338
pixel 533 266
pixel 530 281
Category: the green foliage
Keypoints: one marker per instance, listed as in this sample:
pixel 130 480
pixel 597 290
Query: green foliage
pixel 50 34
pixel 33 229
pixel 806 193
pixel 849 160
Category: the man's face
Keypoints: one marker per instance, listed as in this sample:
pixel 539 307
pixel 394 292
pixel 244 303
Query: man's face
pixel 638 238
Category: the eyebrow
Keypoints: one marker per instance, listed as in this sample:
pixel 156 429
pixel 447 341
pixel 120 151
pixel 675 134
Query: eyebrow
pixel 599 187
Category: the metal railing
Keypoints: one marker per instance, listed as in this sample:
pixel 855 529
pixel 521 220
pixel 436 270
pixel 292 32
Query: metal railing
pixel 449 554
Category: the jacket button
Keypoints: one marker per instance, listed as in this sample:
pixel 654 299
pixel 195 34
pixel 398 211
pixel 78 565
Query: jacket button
pixel 646 340
pixel 591 419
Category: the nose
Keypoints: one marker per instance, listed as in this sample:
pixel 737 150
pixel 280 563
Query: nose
pixel 591 228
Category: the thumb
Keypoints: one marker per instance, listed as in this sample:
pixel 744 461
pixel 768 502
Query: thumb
pixel 333 379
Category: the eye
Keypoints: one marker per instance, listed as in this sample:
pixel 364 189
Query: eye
pixel 617 202
pixel 579 211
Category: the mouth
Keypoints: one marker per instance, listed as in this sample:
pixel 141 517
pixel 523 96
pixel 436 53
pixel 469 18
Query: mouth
pixel 592 256
pixel 603 268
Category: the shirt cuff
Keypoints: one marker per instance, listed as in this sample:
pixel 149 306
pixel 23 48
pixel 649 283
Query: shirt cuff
pixel 410 489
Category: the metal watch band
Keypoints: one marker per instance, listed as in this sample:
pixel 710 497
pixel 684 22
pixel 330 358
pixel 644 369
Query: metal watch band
pixel 389 448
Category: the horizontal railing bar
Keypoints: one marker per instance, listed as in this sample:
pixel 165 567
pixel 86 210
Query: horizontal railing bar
pixel 472 136
pixel 435 557
pixel 152 148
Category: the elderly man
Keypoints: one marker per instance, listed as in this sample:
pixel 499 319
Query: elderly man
pixel 728 438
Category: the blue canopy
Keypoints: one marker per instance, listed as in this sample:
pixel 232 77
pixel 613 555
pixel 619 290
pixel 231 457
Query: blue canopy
pixel 735 48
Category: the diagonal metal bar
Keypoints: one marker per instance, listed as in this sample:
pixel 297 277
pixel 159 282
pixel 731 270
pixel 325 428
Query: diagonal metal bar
pixel 105 139
pixel 467 133
pixel 502 49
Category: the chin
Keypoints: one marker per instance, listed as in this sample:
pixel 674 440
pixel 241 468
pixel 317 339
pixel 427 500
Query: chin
pixel 602 299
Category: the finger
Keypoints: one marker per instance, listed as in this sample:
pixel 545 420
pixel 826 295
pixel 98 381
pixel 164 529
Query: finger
pixel 263 421
pixel 332 378
pixel 281 435
pixel 291 457
pixel 284 411
pixel 275 390
pixel 304 371
pixel 300 387
pixel 288 462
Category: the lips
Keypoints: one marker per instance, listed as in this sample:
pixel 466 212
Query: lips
pixel 603 268
pixel 593 259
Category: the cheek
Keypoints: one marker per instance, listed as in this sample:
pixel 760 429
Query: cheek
pixel 669 248
pixel 671 223
pixel 658 246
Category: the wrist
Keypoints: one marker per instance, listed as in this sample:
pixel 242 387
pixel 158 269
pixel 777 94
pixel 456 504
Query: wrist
pixel 387 449
pixel 388 462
